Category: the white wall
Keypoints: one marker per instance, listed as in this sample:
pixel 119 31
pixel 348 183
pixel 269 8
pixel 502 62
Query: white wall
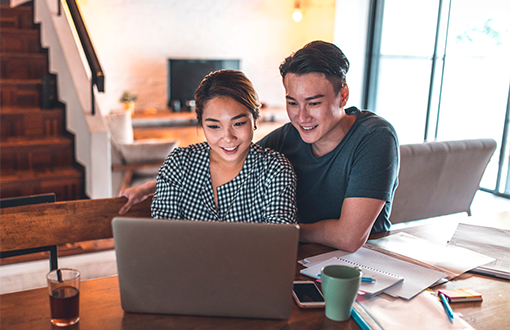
pixel 351 25
pixel 134 39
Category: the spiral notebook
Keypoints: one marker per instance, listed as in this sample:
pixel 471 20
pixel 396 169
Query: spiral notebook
pixel 383 280
pixel 416 278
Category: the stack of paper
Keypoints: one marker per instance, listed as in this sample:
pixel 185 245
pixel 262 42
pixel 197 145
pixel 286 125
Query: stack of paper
pixel 450 259
pixel 492 242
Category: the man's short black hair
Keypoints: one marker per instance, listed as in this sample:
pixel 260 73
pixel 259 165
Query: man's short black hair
pixel 320 57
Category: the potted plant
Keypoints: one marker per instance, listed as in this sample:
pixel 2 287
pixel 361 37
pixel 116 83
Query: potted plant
pixel 128 99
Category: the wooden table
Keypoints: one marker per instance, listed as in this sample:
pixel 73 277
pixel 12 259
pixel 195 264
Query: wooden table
pixel 100 300
pixel 494 311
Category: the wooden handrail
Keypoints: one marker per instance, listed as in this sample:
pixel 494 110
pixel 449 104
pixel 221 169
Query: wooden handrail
pixel 90 53
pixel 59 223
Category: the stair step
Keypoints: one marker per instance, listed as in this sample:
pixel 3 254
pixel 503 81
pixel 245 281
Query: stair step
pixel 35 154
pixel 19 41
pixel 33 122
pixel 21 92
pixel 27 110
pixel 17 17
pixel 66 183
pixel 17 81
pixel 36 151
pixel 23 65
pixel 29 141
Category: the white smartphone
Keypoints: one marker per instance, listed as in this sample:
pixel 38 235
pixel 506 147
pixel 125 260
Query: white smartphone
pixel 307 294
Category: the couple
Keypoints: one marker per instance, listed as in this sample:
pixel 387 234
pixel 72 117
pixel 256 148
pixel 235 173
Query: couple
pixel 345 160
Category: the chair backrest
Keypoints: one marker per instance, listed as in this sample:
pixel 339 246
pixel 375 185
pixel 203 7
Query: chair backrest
pixel 30 226
pixel 439 178
pixel 27 200
pixel 31 200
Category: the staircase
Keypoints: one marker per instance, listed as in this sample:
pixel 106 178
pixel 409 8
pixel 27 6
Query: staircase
pixel 37 153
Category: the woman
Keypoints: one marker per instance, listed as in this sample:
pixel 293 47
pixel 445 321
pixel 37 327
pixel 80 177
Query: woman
pixel 226 178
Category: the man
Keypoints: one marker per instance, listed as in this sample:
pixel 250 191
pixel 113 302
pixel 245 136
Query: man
pixel 346 160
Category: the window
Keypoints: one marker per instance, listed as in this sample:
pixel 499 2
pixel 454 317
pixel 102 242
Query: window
pixel 440 71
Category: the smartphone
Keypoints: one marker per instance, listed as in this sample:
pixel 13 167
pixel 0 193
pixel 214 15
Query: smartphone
pixel 307 294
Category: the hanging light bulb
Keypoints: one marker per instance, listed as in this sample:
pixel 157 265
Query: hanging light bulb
pixel 297 15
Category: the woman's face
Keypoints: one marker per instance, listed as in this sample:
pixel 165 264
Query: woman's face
pixel 228 128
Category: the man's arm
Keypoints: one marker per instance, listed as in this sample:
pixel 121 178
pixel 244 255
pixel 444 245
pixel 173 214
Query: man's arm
pixel 349 232
pixel 137 195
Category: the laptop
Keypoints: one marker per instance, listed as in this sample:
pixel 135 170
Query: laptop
pixel 227 269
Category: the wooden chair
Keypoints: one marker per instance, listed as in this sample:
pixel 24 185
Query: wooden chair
pixel 60 223
pixel 31 200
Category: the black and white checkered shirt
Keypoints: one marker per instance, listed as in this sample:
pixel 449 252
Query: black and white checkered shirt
pixel 263 191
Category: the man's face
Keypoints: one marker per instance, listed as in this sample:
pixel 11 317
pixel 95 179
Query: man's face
pixel 314 109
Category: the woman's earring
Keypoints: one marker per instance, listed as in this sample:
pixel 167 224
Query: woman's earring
pixel 255 128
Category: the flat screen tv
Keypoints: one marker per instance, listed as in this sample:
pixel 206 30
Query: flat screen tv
pixel 184 76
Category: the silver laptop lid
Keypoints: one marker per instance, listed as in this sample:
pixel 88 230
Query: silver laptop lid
pixel 206 268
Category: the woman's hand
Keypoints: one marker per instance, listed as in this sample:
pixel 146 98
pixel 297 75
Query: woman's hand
pixel 136 195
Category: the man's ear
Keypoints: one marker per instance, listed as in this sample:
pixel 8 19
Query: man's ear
pixel 344 95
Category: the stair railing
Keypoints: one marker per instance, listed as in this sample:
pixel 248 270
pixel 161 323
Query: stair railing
pixel 97 75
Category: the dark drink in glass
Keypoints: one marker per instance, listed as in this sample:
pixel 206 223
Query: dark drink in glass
pixel 64 291
pixel 65 306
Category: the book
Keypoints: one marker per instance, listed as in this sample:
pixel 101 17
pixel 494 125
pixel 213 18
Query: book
pixel 461 295
pixel 382 280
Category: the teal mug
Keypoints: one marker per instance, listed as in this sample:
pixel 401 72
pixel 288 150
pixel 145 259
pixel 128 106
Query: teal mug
pixel 340 285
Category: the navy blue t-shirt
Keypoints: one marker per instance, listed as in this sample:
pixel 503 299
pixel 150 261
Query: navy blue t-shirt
pixel 364 164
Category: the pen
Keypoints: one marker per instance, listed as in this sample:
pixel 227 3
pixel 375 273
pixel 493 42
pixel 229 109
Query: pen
pixel 368 280
pixel 362 324
pixel 447 307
